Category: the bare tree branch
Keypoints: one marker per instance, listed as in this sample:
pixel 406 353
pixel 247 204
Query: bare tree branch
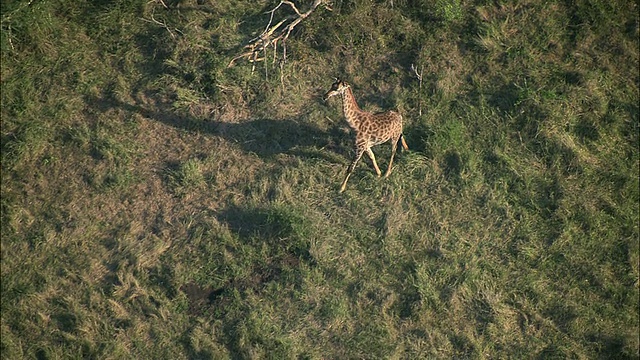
pixel 419 77
pixel 272 34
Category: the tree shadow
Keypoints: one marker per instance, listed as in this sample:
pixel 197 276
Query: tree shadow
pixel 278 231
pixel 284 229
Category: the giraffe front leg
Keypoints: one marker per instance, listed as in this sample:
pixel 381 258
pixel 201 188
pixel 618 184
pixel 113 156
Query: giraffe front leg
pixel 373 160
pixel 352 166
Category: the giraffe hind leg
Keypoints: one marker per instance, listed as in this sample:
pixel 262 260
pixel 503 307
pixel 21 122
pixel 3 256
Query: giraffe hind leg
pixel 394 147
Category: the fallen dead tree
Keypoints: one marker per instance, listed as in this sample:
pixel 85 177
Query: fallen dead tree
pixel 256 50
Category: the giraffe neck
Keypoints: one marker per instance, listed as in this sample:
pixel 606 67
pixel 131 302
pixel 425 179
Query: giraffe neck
pixel 350 108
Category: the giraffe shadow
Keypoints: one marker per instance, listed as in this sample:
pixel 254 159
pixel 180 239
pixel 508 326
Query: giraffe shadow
pixel 262 136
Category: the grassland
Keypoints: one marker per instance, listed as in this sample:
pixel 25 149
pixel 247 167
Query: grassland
pixel 159 204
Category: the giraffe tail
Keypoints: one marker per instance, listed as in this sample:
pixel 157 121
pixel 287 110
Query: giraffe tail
pixel 404 143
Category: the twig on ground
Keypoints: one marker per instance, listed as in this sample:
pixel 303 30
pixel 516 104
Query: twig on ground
pixel 162 24
pixel 163 4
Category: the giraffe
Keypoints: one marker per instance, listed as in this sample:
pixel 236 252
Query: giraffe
pixel 371 129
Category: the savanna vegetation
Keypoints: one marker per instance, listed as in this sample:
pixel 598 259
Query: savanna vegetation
pixel 158 203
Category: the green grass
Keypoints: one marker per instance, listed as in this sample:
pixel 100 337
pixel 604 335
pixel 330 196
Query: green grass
pixel 159 204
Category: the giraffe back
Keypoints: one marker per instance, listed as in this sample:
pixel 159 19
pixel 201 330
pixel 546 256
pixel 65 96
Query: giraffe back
pixel 380 127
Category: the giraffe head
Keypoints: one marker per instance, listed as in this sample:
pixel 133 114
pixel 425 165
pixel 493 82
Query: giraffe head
pixel 338 88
